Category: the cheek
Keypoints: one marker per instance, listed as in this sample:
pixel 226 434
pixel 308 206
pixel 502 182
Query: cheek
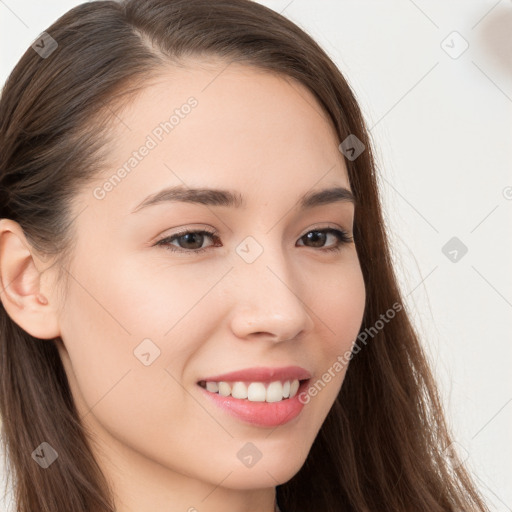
pixel 338 304
pixel 154 298
pixel 113 332
pixel 115 389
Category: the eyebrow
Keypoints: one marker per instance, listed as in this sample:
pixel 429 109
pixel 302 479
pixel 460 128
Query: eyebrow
pixel 233 199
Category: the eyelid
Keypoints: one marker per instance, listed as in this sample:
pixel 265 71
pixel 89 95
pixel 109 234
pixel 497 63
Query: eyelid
pixel 214 232
pixel 211 232
pixel 187 229
pixel 343 238
pixel 320 226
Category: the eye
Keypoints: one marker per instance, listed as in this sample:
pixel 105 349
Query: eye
pixel 188 238
pixel 190 241
pixel 341 235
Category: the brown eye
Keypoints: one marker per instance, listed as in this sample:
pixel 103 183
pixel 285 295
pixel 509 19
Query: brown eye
pixel 188 241
pixel 318 237
pixel 192 241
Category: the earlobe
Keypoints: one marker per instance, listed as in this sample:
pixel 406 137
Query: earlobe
pixel 20 283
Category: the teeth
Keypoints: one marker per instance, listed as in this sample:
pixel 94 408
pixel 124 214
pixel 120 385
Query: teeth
pixel 286 389
pixel 294 386
pixel 224 389
pixel 256 391
pixel 274 392
pixel 239 390
pixel 212 386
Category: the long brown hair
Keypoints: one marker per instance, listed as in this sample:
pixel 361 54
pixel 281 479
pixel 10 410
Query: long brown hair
pixel 383 445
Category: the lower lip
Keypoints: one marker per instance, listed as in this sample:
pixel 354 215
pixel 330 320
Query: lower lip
pixel 264 414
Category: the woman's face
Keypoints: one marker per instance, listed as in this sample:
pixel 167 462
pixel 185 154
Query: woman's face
pixel 145 321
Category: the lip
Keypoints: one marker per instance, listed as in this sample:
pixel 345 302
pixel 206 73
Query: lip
pixel 262 374
pixel 261 414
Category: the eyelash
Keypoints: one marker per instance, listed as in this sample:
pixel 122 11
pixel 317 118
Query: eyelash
pixel 342 235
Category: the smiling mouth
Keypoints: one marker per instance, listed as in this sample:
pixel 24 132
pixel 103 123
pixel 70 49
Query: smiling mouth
pixel 275 391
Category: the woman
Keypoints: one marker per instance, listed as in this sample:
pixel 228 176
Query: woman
pixel 271 364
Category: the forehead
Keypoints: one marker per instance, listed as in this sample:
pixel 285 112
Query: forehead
pixel 218 124
pixel 237 98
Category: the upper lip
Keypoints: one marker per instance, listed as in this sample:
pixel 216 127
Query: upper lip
pixel 262 374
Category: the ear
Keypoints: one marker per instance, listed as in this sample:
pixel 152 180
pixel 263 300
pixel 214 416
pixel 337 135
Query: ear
pixel 20 282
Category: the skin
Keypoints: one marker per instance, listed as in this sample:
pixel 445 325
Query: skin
pixel 156 437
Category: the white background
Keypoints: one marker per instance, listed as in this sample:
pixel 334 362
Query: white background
pixel 442 130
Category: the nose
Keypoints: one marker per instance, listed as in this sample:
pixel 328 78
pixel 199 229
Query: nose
pixel 268 299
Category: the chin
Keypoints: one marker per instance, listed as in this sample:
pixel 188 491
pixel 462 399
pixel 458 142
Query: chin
pixel 260 478
pixel 275 467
